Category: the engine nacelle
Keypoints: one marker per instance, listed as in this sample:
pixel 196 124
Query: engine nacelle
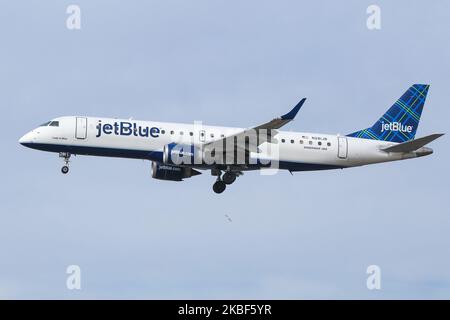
pixel 173 173
pixel 181 154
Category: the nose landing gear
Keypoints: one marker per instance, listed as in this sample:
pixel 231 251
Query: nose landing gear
pixel 66 156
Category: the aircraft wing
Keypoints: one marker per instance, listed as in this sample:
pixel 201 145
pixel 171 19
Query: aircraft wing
pixel 252 134
pixel 283 120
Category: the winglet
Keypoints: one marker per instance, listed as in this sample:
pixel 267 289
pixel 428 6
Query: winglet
pixel 291 114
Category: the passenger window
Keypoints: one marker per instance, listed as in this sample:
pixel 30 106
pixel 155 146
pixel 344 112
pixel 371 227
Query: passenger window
pixel 328 144
pixel 212 135
pixel 163 131
pixel 310 142
pixel 171 132
pixel 292 141
pixel 301 141
pixel 222 136
pixel 319 143
pixel 181 133
pixel 282 140
pixel 191 133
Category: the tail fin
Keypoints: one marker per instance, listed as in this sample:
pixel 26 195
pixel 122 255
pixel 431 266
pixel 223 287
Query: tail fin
pixel 400 122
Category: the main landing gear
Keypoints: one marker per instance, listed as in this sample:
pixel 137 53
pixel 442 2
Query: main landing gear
pixel 66 156
pixel 229 177
pixel 223 180
pixel 219 186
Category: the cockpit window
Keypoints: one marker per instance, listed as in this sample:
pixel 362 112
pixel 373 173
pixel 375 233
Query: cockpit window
pixel 54 124
pixel 45 124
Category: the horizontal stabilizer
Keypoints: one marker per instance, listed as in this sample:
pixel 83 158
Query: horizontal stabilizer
pixel 413 145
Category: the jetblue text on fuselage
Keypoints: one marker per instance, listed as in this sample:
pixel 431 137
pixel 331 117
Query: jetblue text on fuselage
pixel 124 128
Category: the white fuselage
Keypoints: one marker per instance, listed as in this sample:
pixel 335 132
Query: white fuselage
pixel 297 151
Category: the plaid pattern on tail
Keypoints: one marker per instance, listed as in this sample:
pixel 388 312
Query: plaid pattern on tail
pixel 400 122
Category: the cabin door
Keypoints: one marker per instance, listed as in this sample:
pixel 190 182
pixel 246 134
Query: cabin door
pixel 342 147
pixel 81 128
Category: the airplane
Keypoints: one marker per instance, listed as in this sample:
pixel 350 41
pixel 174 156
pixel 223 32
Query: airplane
pixel 178 151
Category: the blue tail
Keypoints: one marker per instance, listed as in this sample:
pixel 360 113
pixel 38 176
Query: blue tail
pixel 400 122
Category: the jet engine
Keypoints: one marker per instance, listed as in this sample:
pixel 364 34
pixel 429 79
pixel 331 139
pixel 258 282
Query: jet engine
pixel 181 154
pixel 173 173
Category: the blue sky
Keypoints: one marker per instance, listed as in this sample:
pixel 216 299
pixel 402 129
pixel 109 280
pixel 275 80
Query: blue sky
pixel 233 63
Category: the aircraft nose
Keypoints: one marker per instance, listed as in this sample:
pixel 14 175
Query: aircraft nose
pixel 26 139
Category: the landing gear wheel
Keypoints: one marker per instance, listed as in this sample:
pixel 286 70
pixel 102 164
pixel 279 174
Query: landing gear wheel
pixel 219 186
pixel 229 177
pixel 66 157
